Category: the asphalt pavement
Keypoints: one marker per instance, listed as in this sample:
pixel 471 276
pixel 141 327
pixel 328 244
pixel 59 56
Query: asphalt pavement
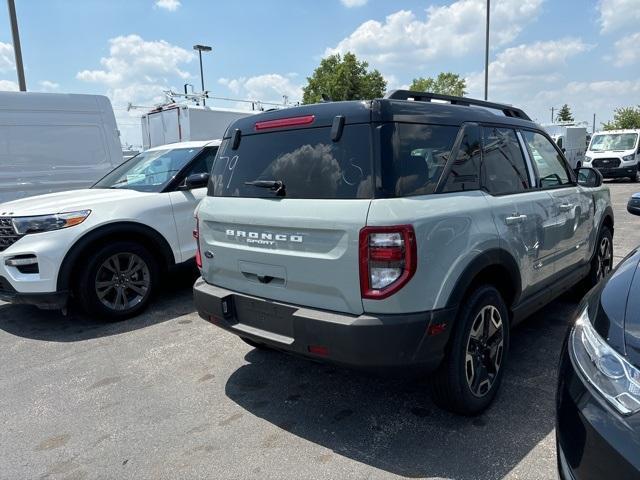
pixel 167 395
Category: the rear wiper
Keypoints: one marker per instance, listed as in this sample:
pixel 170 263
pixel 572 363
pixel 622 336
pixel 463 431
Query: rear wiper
pixel 276 186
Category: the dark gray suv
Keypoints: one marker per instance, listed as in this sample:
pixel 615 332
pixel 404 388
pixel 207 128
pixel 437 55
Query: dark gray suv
pixel 400 232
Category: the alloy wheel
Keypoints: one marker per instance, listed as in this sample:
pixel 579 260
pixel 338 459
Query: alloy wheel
pixel 485 347
pixel 122 281
pixel 605 255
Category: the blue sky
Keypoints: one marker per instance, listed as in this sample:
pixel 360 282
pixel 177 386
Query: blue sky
pixel 544 52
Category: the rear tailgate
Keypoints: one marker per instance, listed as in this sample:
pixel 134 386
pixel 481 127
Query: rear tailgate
pixel 286 206
pixel 296 251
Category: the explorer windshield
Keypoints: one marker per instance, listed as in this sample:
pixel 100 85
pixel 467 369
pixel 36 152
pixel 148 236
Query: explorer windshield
pixel 149 171
pixel 616 142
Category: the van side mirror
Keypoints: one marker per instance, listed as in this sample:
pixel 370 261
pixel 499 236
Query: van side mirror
pixel 589 177
pixel 196 180
pixel 633 207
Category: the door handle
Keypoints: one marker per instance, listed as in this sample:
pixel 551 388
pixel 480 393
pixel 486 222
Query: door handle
pixel 515 219
pixel 565 207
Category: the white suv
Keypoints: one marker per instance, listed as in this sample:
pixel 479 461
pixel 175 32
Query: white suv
pixel 108 245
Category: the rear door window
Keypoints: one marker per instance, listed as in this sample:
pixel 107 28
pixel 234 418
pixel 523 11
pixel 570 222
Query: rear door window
pixel 306 161
pixel 414 157
pixel 504 169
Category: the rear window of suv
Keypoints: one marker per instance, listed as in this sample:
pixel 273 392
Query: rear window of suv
pixel 306 161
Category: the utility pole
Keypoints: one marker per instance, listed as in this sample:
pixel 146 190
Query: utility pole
pixel 200 49
pixel 486 56
pixel 593 130
pixel 17 51
pixel 552 109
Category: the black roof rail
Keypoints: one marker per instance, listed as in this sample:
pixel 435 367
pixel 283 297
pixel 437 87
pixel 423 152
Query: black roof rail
pixel 508 110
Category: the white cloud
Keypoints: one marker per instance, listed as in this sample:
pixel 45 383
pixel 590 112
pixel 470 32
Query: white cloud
pixel 533 77
pixel 137 71
pixel 171 5
pixel 527 66
pixel 626 50
pixel 618 14
pixel 354 3
pixel 8 86
pixel 134 59
pixel 268 87
pixel 6 57
pixel 453 30
pixel 48 86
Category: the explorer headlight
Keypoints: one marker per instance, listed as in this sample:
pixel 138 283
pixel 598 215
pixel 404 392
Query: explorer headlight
pixel 607 371
pixel 45 223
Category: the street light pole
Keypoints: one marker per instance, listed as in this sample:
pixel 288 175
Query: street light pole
pixel 17 51
pixel 486 56
pixel 200 49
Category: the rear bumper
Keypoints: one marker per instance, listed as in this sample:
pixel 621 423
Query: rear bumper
pixel 363 341
pixel 46 301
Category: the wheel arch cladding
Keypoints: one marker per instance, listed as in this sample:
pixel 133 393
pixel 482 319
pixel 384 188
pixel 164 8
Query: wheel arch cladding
pixel 121 231
pixel 494 267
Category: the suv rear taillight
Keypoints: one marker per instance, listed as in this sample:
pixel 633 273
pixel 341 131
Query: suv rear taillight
pixel 387 260
pixel 196 235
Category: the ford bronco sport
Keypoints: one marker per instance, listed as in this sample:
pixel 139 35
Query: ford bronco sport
pixel 398 232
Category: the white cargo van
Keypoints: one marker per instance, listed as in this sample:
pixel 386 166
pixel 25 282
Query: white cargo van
pixel 51 142
pixel 572 140
pixel 615 153
pixel 182 123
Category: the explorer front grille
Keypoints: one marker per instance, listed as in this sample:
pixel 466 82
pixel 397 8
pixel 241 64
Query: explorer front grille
pixel 8 235
pixel 606 163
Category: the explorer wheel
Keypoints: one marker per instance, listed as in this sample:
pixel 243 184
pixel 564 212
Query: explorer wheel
pixel 470 374
pixel 118 282
pixel 602 262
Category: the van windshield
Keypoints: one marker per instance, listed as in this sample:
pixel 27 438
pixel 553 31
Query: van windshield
pixel 150 171
pixel 615 142
pixel 303 163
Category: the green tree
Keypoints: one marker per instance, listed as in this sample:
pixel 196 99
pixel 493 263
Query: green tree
pixel 564 114
pixel 343 78
pixel 625 117
pixel 446 83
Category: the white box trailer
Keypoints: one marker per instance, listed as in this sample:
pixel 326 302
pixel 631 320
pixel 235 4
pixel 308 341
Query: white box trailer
pixel 572 140
pixel 51 142
pixel 183 123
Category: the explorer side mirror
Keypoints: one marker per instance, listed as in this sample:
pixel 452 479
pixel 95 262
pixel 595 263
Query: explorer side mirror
pixel 196 180
pixel 633 207
pixel 589 177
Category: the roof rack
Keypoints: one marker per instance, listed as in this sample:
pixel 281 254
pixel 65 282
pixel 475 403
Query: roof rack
pixel 508 110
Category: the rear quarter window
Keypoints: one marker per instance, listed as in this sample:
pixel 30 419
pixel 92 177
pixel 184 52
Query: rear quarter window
pixel 414 157
pixel 307 161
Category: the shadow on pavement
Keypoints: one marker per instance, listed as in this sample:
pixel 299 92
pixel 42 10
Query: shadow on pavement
pixel 173 300
pixel 393 425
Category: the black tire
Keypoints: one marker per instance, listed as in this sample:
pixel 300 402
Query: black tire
pixel 128 290
pixel 601 266
pixel 455 386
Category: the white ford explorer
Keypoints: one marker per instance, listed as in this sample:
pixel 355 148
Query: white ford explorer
pixel 108 245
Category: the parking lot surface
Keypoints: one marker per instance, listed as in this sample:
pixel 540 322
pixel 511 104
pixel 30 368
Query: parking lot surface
pixel 166 395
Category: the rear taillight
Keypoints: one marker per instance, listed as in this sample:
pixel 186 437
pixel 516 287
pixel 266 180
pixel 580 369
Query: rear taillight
pixel 196 235
pixel 387 259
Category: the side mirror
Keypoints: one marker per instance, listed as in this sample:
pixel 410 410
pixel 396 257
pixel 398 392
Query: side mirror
pixel 589 177
pixel 633 207
pixel 196 180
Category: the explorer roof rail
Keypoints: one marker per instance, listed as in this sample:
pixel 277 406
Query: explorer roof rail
pixel 508 110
